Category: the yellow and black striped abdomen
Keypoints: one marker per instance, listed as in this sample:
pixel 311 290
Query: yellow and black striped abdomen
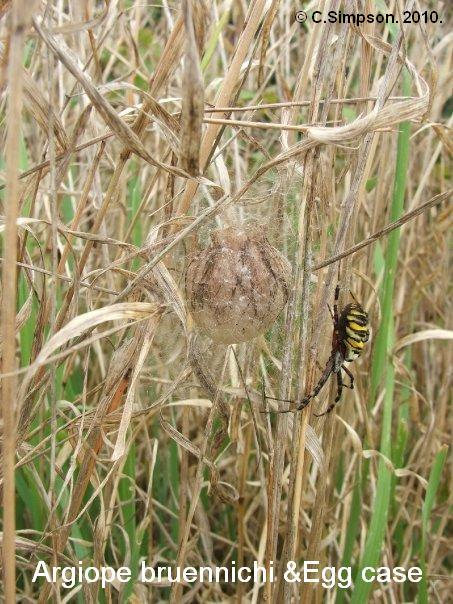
pixel 353 330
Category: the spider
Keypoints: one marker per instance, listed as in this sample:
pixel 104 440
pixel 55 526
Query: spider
pixel 350 333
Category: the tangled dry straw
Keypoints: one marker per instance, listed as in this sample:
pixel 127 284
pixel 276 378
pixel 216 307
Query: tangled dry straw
pixel 131 136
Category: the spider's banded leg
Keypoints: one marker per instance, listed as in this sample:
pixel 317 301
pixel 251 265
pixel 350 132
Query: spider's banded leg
pixel 273 398
pixel 299 407
pixel 350 376
pixel 335 305
pixel 327 411
pixel 304 402
pixel 283 400
pixel 337 398
pixel 336 298
pixel 339 388
pixel 322 380
pixel 331 314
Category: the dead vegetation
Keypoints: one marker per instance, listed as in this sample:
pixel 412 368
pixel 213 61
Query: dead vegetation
pixel 131 133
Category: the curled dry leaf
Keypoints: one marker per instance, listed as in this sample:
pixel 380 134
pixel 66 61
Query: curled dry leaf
pixel 236 287
pixel 77 326
pixel 369 453
pixel 426 334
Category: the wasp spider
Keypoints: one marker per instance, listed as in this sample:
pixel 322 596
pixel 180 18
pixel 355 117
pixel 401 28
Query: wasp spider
pixel 350 334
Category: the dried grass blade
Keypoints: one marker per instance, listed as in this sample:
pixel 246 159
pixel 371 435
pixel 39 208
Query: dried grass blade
pixel 150 332
pixel 192 99
pixel 80 324
pixel 126 134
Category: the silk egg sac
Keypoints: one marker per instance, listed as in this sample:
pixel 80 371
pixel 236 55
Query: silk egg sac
pixel 237 286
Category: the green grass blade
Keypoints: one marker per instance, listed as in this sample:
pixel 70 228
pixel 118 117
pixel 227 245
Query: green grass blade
pixel 382 369
pixel 126 494
pixel 213 40
pixel 352 532
pixel 431 490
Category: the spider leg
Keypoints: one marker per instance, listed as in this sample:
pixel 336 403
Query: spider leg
pixel 337 398
pixel 329 368
pixel 334 314
pixel 350 376
pixel 280 411
pixel 283 400
pixel 305 401
pixel 322 380
pixel 335 305
pixel 331 314
pixel 273 398
pixel 353 297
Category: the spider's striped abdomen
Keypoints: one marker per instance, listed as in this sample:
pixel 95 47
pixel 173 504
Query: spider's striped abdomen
pixel 354 330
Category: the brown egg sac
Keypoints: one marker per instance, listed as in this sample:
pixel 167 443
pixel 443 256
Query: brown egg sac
pixel 238 285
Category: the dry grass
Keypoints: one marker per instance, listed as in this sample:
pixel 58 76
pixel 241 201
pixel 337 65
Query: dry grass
pixel 132 434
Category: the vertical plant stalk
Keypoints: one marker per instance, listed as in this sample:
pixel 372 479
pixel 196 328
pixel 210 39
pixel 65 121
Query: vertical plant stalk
pixel 277 456
pixel 300 421
pixel 176 591
pixel 192 106
pixel 253 21
pixel 19 23
pixel 309 592
pixel 324 80
pixel 383 368
pixel 431 490
pixel 301 283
